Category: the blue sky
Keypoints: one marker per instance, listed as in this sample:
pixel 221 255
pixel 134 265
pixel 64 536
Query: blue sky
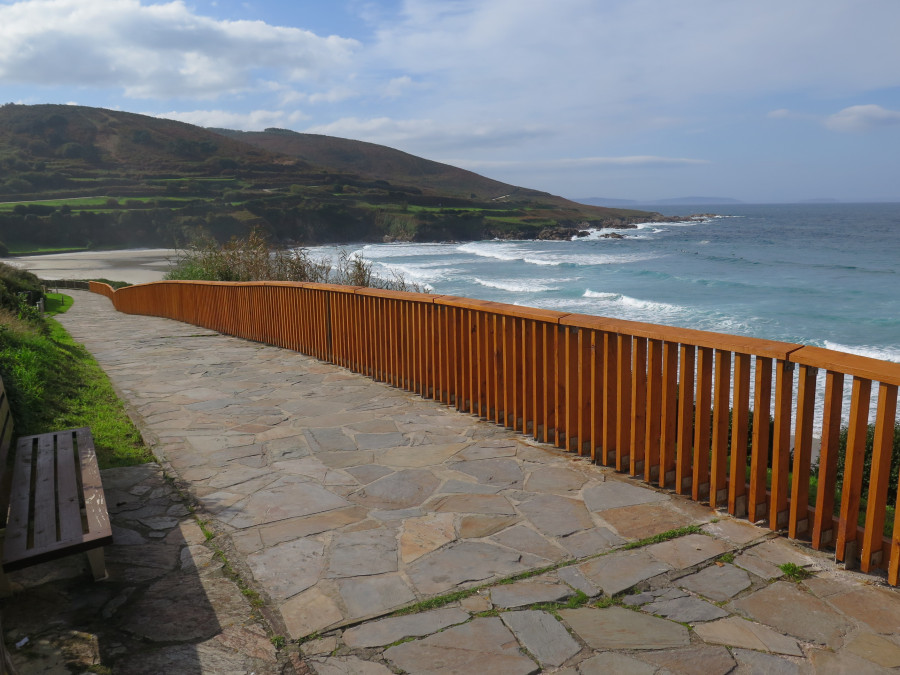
pixel 639 99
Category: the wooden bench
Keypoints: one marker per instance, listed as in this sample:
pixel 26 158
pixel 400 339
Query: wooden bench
pixel 51 499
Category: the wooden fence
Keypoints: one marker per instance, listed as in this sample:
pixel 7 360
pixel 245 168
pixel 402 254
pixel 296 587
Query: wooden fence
pixel 672 406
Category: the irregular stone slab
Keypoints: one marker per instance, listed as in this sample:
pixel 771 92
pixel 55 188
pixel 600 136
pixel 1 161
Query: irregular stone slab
pixel 876 649
pixel 737 632
pixel 785 607
pixel 334 438
pixel 769 664
pixel 825 661
pixel 288 498
pixel 400 490
pixel 543 636
pixel 473 503
pixel 591 542
pixel 717 583
pixel 607 663
pixel 184 608
pixel 374 595
pixel 420 455
pixel 656 595
pixel 482 451
pixel 574 577
pixel 348 665
pixel 386 631
pixel 691 660
pixel 524 593
pixel 500 472
pixel 645 520
pixel 525 539
pixel 484 645
pixel 367 473
pixel 688 551
pixel 461 563
pixel 618 572
pixel 343 459
pixel 379 441
pixel 198 558
pixel 424 535
pixel 309 612
pixel 234 474
pixel 556 516
pixel 879 608
pixel 763 559
pixel 288 568
pixel 613 494
pixel 618 628
pixel 469 488
pixel 735 531
pixel 144 555
pixel 685 610
pixel 475 527
pixel 324 645
pixel 363 553
pixel 554 479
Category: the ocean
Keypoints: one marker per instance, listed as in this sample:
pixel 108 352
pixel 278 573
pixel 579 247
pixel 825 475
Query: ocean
pixel 819 274
pixel 826 275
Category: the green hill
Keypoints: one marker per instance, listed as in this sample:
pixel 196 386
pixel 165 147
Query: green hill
pixel 78 177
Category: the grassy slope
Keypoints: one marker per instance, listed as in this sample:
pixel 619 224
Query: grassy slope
pixel 54 383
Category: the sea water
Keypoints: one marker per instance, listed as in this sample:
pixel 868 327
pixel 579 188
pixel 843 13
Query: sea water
pixel 826 275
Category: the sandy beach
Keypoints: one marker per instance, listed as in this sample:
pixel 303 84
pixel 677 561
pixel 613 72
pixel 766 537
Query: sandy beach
pixel 136 266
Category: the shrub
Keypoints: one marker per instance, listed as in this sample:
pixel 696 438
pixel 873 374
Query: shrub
pixel 252 259
pixel 867 466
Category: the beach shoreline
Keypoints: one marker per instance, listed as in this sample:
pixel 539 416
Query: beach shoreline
pixel 135 266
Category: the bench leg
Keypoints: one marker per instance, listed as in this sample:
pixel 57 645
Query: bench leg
pixel 98 565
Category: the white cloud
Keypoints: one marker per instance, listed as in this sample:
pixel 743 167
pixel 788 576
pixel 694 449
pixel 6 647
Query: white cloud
pixel 428 134
pixel 255 120
pixel 863 118
pixel 156 50
pixel 580 163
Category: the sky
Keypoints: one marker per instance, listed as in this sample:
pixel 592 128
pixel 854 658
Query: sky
pixel 763 101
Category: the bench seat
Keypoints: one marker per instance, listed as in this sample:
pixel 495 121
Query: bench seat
pixel 51 500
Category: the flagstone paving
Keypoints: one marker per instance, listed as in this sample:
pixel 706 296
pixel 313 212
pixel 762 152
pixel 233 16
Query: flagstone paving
pixel 340 500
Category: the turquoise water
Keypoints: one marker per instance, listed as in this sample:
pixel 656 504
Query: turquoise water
pixel 824 275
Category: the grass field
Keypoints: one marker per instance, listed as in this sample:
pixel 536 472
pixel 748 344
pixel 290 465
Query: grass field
pixel 54 383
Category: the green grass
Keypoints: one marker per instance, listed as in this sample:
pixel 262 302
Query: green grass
pixel 57 303
pixel 54 383
pixel 663 536
pixel 794 572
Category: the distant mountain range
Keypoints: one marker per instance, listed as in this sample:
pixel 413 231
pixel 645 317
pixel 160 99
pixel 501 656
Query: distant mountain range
pixel 75 176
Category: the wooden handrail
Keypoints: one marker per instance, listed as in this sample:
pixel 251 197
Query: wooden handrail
pixel 672 406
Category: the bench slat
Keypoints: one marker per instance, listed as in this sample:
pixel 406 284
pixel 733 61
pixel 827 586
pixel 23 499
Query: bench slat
pixel 16 543
pixel 98 522
pixel 67 485
pixel 45 495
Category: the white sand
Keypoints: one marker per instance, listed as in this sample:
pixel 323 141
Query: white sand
pixel 136 266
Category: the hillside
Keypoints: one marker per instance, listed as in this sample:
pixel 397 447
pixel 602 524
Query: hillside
pixel 78 177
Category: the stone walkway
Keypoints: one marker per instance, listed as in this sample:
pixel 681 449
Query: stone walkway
pixel 340 500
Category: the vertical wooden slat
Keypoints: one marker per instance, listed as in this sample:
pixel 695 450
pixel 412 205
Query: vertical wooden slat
pixel 882 447
pixel 597 393
pixel 718 491
pixel 668 442
pixel 623 396
pixel 584 374
pixel 610 388
pixel 683 473
pixel 806 408
pixel 654 411
pixel 781 461
pixel 851 489
pixel 823 523
pixel 740 421
pixel 702 425
pixel 638 405
pixel 759 459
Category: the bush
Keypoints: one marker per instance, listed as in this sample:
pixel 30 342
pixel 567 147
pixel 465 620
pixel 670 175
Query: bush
pixel 18 286
pixel 867 467
pixel 252 259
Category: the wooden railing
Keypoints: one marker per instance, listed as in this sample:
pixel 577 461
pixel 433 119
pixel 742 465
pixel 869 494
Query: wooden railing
pixel 672 406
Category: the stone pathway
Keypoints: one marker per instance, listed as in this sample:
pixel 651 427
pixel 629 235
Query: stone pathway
pixel 340 500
